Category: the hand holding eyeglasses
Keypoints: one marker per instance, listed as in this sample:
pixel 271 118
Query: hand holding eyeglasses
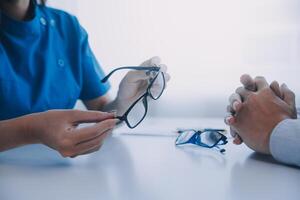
pixel 144 82
pixel 135 83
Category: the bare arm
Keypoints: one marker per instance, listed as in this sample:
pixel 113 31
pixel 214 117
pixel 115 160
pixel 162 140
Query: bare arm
pixel 14 133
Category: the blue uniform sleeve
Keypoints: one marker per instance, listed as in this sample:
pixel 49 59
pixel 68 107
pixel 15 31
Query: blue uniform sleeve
pixel 285 142
pixel 92 87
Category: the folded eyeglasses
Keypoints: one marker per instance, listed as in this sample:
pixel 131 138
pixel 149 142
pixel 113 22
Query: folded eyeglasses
pixel 209 138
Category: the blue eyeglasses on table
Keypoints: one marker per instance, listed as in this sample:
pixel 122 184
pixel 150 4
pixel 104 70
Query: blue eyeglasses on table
pixel 209 138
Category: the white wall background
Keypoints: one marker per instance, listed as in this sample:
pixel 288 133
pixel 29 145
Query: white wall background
pixel 206 44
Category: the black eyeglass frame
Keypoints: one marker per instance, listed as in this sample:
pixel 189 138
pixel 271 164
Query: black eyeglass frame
pixel 144 96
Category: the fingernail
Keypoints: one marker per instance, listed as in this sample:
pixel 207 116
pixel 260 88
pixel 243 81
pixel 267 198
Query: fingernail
pixel 235 105
pixel 114 112
pixel 231 120
pixel 227 120
pixel 114 122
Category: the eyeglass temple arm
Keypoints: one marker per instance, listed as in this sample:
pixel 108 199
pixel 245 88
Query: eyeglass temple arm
pixel 221 150
pixel 151 68
pixel 179 130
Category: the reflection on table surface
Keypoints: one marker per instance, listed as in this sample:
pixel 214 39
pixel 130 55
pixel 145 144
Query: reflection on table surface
pixel 147 166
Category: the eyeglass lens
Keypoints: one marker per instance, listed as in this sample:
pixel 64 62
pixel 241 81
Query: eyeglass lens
pixel 155 89
pixel 209 138
pixel 137 112
pixel 185 137
pixel 157 86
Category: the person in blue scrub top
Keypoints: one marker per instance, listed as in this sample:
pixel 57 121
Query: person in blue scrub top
pixel 46 65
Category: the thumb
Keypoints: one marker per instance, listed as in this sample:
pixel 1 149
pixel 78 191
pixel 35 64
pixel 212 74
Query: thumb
pixel 288 95
pixel 78 116
pixel 154 61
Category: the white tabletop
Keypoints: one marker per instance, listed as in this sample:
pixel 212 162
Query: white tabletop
pixel 145 164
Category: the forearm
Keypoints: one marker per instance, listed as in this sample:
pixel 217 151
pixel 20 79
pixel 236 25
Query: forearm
pixel 285 142
pixel 15 133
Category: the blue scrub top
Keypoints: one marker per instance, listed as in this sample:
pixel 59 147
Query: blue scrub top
pixel 45 63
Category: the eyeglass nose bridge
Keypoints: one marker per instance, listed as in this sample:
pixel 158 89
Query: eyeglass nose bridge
pixel 151 73
pixel 152 82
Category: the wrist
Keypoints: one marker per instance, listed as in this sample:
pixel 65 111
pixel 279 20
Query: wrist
pixel 15 132
pixel 275 124
pixel 29 128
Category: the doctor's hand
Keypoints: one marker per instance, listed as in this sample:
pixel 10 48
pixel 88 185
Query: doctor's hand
pixel 257 108
pixel 135 83
pixel 58 130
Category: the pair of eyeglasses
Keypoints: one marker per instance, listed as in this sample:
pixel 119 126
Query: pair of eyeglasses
pixel 136 113
pixel 209 138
